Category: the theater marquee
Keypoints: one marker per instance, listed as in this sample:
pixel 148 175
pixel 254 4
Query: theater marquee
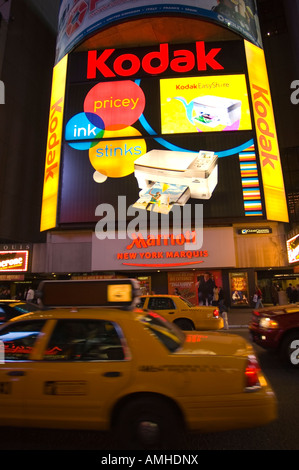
pixel 14 261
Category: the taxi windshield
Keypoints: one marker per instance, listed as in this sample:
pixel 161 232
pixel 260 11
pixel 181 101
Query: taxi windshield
pixel 167 333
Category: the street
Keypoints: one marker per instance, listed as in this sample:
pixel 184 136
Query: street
pixel 279 435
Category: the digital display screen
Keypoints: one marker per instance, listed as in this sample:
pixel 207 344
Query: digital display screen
pixel 126 109
pixel 204 104
pixel 88 293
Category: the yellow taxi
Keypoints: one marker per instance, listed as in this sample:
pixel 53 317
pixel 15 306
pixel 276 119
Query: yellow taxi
pixel 81 366
pixel 180 311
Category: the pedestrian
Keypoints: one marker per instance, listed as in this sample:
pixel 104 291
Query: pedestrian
pixel 257 298
pixel 289 292
pixel 215 300
pixel 30 295
pixel 293 298
pixel 274 294
pixel 205 286
pixel 221 304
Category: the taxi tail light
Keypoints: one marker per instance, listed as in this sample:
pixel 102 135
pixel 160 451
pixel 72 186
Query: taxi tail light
pixel 216 313
pixel 252 374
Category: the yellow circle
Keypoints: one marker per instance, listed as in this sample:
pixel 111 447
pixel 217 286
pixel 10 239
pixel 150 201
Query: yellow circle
pixel 115 157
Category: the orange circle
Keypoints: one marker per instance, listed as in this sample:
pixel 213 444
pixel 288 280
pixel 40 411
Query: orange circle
pixel 115 158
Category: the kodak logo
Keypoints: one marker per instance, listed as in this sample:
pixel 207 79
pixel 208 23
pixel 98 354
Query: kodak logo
pixel 110 63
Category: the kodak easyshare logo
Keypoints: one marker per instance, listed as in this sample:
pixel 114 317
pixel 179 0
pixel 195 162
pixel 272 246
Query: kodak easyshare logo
pixel 110 63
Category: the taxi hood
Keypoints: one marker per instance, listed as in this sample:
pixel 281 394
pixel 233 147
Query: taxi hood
pixel 212 344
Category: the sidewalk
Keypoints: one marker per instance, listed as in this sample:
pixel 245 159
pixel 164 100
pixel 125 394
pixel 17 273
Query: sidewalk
pixel 239 317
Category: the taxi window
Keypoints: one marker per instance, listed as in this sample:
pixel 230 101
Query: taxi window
pixel 19 339
pixel 85 340
pixel 160 303
pixel 167 333
pixel 141 303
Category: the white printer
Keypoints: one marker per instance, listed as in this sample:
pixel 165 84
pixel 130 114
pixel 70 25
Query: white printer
pixel 215 110
pixel 198 171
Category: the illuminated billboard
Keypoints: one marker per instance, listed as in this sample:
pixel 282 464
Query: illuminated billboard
pixel 272 177
pixel 170 122
pixel 53 152
pixel 81 18
pixel 204 104
pixel 293 249
pixel 14 261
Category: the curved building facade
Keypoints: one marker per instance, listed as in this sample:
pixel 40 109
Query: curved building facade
pixel 162 154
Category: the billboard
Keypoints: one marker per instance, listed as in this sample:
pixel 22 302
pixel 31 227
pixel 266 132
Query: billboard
pixel 78 19
pixel 14 261
pixel 53 152
pixel 273 184
pixel 204 104
pixel 164 125
pixel 293 249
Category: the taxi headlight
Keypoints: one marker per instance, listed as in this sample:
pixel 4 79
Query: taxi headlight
pixel 268 323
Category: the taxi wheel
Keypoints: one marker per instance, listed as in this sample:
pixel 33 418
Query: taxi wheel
pixel 290 349
pixel 185 324
pixel 147 423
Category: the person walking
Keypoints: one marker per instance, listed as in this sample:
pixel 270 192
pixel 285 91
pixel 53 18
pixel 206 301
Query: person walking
pixel 258 298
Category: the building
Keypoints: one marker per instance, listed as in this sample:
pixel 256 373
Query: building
pixel 143 76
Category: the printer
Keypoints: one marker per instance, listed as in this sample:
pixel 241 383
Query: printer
pixel 196 170
pixel 215 110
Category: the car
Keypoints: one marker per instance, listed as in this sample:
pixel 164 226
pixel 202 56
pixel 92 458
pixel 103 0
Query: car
pixel 10 308
pixel 102 364
pixel 276 328
pixel 180 311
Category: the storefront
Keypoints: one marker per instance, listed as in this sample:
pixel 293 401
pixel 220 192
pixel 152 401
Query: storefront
pixel 236 257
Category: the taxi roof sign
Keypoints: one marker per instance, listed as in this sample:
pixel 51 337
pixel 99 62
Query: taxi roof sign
pixel 118 293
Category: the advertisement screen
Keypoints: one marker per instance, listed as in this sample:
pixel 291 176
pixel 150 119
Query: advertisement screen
pixel 293 249
pixel 164 126
pixel 14 261
pixel 204 104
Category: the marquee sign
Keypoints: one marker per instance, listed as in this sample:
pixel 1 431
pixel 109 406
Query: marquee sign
pixel 158 251
pixel 13 261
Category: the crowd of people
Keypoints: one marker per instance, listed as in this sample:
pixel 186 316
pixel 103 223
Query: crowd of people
pixel 28 295
pixel 211 294
pixel 293 293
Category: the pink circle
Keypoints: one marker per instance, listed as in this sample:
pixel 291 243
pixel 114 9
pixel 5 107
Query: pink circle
pixel 119 104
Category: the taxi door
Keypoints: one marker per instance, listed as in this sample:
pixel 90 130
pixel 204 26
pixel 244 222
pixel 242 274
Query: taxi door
pixel 11 392
pixel 17 342
pixel 82 370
